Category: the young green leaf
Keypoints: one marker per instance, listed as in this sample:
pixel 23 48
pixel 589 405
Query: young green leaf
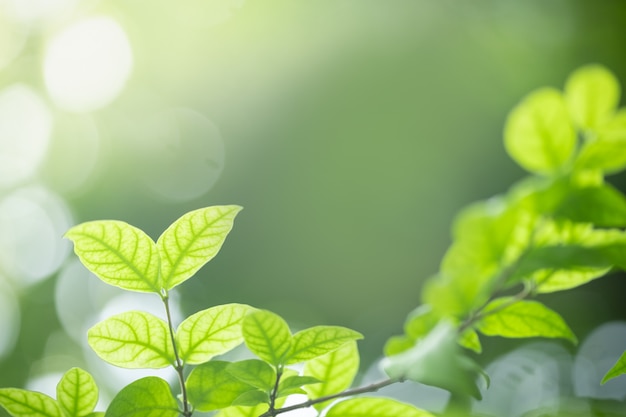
pixel 539 134
pixel 252 398
pixel 211 332
pixel 319 340
pixel 592 94
pixel 420 322
pixel 210 386
pixel 605 150
pixel 547 281
pixel 254 372
pixel 336 370
pixel 398 344
pixel 147 397
pixel 375 407
pixel 618 369
pixel 118 253
pixel 469 339
pixel 23 403
pixel 604 206
pixel 134 339
pixel 512 318
pixel 192 241
pixel 77 393
pixel 292 384
pixel 247 411
pixel 267 335
pixel 436 360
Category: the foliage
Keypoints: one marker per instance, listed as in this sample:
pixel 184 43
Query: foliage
pixel 557 229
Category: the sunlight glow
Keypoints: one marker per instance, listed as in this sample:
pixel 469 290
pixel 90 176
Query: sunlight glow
pixel 87 65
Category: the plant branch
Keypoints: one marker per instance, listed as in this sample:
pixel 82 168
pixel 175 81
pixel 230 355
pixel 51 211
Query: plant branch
pixel 347 393
pixel 274 393
pixel 178 366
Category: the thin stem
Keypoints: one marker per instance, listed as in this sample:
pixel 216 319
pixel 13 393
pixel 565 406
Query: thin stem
pixel 274 393
pixel 355 391
pixel 178 366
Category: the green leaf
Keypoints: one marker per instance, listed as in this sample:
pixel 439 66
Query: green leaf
pixel 22 403
pixel 147 397
pixel 118 253
pixel 512 318
pixel 292 384
pixel 254 372
pixel 192 241
pixel 210 386
pixel 211 332
pixel 398 344
pixel 592 94
pixel 319 340
pixel 134 339
pixel 246 411
pixel 469 339
pixel 436 360
pixel 375 407
pixel 618 369
pixel 267 335
pixel 77 393
pixel 604 206
pixel 252 398
pixel 605 150
pixel 420 322
pixel 539 134
pixel 336 370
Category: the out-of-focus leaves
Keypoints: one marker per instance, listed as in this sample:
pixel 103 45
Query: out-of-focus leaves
pixel 616 370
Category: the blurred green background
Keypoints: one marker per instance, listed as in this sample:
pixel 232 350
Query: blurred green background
pixel 350 130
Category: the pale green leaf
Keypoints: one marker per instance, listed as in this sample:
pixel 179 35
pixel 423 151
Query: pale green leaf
pixel 134 339
pixel 147 397
pixel 618 369
pixel 512 318
pixel 319 340
pixel 420 322
pixel 539 134
pixel 398 344
pixel 254 372
pixel 267 335
pixel 252 398
pixel 592 94
pixel 211 332
pixel 605 150
pixel 192 241
pixel 547 281
pixel 375 407
pixel 210 386
pixel 336 370
pixel 77 393
pixel 118 253
pixel 469 339
pixel 22 403
pixel 292 384
pixel 246 411
pixel 436 360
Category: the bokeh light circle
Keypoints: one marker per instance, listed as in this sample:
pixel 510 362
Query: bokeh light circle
pixel 87 65
pixel 33 221
pixel 25 128
pixel 9 318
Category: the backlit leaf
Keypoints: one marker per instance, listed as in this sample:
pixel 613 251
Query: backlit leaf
pixel 118 253
pixel 375 407
pixel 134 339
pixel 192 241
pixel 592 94
pixel 336 370
pixel 146 397
pixel 512 318
pixel 319 340
pixel 211 332
pixel 77 393
pixel 254 372
pixel 246 411
pixel 22 403
pixel 605 150
pixel 469 339
pixel 210 386
pixel 539 134
pixel 618 369
pixel 604 206
pixel 267 335
pixel 292 384
pixel 252 398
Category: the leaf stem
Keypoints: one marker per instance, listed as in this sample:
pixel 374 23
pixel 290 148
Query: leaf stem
pixel 274 393
pixel 347 393
pixel 178 365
